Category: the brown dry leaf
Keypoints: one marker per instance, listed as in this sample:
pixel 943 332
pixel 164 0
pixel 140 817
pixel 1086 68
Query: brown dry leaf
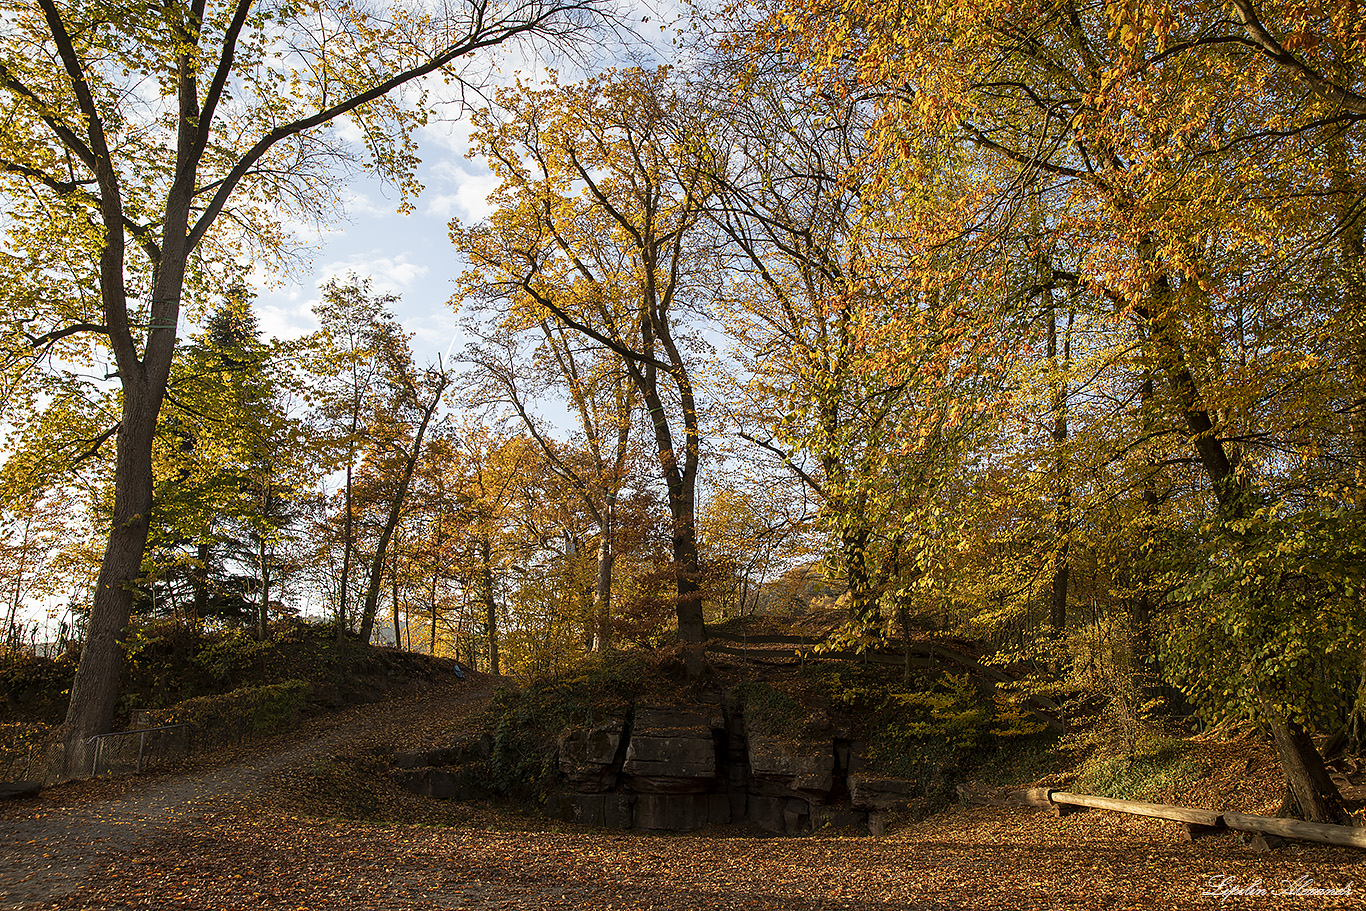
pixel 247 835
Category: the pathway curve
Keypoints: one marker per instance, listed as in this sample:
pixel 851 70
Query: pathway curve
pixel 52 845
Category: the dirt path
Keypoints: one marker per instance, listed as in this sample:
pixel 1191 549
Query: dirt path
pixel 56 844
pixel 228 839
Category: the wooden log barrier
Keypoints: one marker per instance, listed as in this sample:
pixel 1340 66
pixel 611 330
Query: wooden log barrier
pixel 1208 818
pixel 1200 822
pixel 1346 836
pixel 1032 797
pixel 1195 823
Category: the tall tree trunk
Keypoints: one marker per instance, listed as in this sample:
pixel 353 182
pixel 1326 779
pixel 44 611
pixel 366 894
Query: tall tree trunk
pixel 431 644
pixel 1310 794
pixel 681 482
pixel 263 607
pixel 143 380
pixel 691 625
pixel 854 551
pixel 95 690
pixel 374 585
pixel 348 545
pixel 393 579
pixel 1309 789
pixel 602 590
pixel 485 586
pixel 1057 601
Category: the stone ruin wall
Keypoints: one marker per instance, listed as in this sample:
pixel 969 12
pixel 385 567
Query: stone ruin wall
pixel 678 768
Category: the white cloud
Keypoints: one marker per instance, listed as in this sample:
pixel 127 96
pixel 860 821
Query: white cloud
pixel 451 136
pixel 387 274
pixel 361 205
pixel 469 201
pixel 286 321
pixel 346 130
pixel 286 311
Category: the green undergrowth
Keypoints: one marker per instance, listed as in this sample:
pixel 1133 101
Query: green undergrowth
pixel 1023 761
pixel 33 689
pixel 226 682
pixel 1156 769
pixel 932 729
pixel 773 711
pixel 524 722
pixel 168 662
pixel 246 712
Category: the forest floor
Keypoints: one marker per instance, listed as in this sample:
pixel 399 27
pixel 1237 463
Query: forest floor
pixel 258 830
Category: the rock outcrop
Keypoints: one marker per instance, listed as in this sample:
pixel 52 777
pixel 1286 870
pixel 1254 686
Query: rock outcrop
pixel 681 767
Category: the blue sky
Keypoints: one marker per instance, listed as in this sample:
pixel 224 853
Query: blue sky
pixel 411 255
pixel 407 255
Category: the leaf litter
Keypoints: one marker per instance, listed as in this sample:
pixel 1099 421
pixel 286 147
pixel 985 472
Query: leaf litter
pixel 273 827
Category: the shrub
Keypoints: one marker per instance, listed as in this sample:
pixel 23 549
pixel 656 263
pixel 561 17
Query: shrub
pixel 1152 772
pixel 34 689
pixel 23 749
pixel 933 730
pixel 230 656
pixel 769 710
pixel 525 722
pixel 925 735
pixel 232 717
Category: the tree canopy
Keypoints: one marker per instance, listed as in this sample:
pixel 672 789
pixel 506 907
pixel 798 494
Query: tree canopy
pixel 1038 325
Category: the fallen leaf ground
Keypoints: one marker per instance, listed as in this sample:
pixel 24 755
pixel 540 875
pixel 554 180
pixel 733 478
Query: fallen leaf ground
pixel 252 833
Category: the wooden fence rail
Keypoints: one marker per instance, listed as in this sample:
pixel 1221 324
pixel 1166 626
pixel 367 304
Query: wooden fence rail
pixel 1196 822
pixel 1346 836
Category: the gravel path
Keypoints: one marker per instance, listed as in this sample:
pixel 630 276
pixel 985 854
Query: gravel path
pixel 57 843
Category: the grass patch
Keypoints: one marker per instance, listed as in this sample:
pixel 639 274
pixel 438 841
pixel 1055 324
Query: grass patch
pixel 1019 762
pixel 253 711
pixel 1156 770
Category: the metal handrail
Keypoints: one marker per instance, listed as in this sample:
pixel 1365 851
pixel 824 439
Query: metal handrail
pixel 99 739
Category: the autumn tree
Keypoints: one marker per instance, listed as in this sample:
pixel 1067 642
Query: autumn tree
pixel 32 532
pixel 602 400
pixel 55 486
pixel 396 430
pixel 488 471
pixel 1138 130
pixel 597 227
pixel 144 142
pixel 865 417
pixel 434 520
pixel 345 369
pixel 550 602
pixel 753 530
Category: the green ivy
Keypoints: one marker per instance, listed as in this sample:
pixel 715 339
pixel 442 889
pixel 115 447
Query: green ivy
pixel 524 722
